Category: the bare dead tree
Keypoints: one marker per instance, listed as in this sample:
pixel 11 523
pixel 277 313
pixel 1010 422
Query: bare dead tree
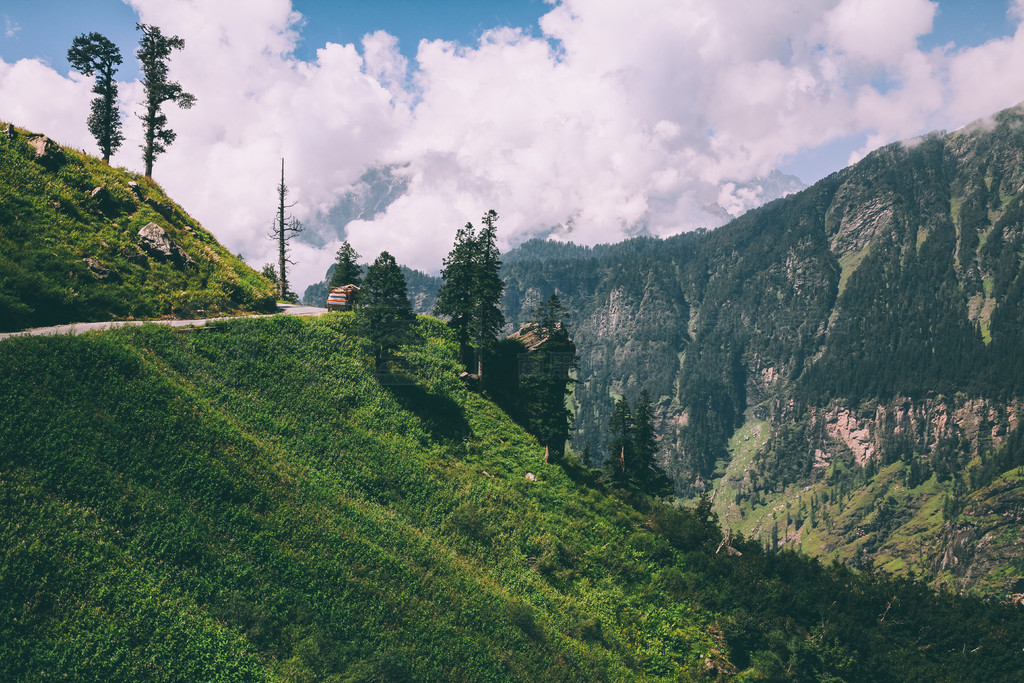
pixel 283 229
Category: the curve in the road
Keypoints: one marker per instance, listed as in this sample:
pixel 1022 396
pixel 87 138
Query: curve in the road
pixel 81 328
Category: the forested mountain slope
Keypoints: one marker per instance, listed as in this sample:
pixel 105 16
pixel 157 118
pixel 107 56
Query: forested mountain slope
pixel 249 501
pixel 81 241
pixel 864 336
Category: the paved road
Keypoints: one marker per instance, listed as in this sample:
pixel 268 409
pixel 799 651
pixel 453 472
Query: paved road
pixel 79 328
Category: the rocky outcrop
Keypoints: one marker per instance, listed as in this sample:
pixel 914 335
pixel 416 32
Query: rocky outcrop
pixel 157 244
pixel 105 204
pixel 46 152
pixel 97 269
pixel 868 431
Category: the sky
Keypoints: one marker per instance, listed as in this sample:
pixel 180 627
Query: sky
pixel 582 120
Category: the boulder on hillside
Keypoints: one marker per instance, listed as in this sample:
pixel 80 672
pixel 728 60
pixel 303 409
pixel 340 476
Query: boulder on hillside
pixel 156 243
pixel 47 152
pixel 97 269
pixel 104 202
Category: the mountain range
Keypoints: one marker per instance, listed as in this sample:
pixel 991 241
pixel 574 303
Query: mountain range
pixel 840 368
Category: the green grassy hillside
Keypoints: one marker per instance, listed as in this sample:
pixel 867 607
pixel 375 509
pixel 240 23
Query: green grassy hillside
pixel 70 249
pixel 247 501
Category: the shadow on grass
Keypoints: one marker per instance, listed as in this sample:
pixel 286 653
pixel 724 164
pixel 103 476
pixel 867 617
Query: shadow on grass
pixel 442 418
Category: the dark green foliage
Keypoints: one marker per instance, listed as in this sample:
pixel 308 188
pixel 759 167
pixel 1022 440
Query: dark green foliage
pixel 650 478
pixel 455 300
pixel 94 54
pixel 471 290
pixel 346 270
pixel 898 277
pixel 386 312
pixel 245 501
pixel 488 318
pixel 545 377
pixel 154 50
pixel 422 289
pixel 620 447
pixel 632 450
pixel 269 271
pixel 50 224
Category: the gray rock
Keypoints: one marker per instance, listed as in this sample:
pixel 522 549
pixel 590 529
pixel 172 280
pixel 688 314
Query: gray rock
pixel 47 152
pixel 156 243
pixel 98 270
pixel 105 203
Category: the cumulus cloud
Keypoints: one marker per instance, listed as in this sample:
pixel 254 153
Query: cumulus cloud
pixel 620 118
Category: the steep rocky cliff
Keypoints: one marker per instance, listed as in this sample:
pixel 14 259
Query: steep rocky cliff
pixel 868 328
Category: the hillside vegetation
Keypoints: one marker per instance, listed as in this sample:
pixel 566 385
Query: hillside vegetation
pixel 71 249
pixel 869 327
pixel 249 501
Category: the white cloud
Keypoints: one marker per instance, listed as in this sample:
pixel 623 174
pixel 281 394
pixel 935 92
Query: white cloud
pixel 11 27
pixel 623 117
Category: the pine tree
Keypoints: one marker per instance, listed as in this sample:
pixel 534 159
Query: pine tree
pixel 455 298
pixel 620 448
pixel 649 476
pixel 346 270
pixel 471 292
pixel 488 318
pixel 154 50
pixel 545 388
pixel 95 54
pixel 386 312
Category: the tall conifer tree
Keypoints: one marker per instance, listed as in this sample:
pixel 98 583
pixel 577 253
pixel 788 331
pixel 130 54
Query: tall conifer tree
pixel 545 388
pixel 620 448
pixel 472 287
pixel 346 270
pixel 94 54
pixel 455 298
pixel 386 311
pixel 154 50
pixel 488 319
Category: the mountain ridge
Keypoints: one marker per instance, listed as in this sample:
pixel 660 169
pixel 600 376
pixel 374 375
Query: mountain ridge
pixel 897 278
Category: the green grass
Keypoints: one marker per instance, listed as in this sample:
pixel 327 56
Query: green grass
pixel 849 263
pixel 246 501
pixel 50 223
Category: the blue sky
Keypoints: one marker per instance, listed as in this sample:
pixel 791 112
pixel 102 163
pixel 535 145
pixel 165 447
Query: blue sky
pixel 589 120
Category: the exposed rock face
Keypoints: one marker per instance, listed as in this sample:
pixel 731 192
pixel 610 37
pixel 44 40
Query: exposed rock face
pixel 156 243
pixel 979 423
pixel 47 152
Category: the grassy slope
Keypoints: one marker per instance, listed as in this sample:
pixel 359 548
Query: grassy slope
pixel 49 223
pixel 246 501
